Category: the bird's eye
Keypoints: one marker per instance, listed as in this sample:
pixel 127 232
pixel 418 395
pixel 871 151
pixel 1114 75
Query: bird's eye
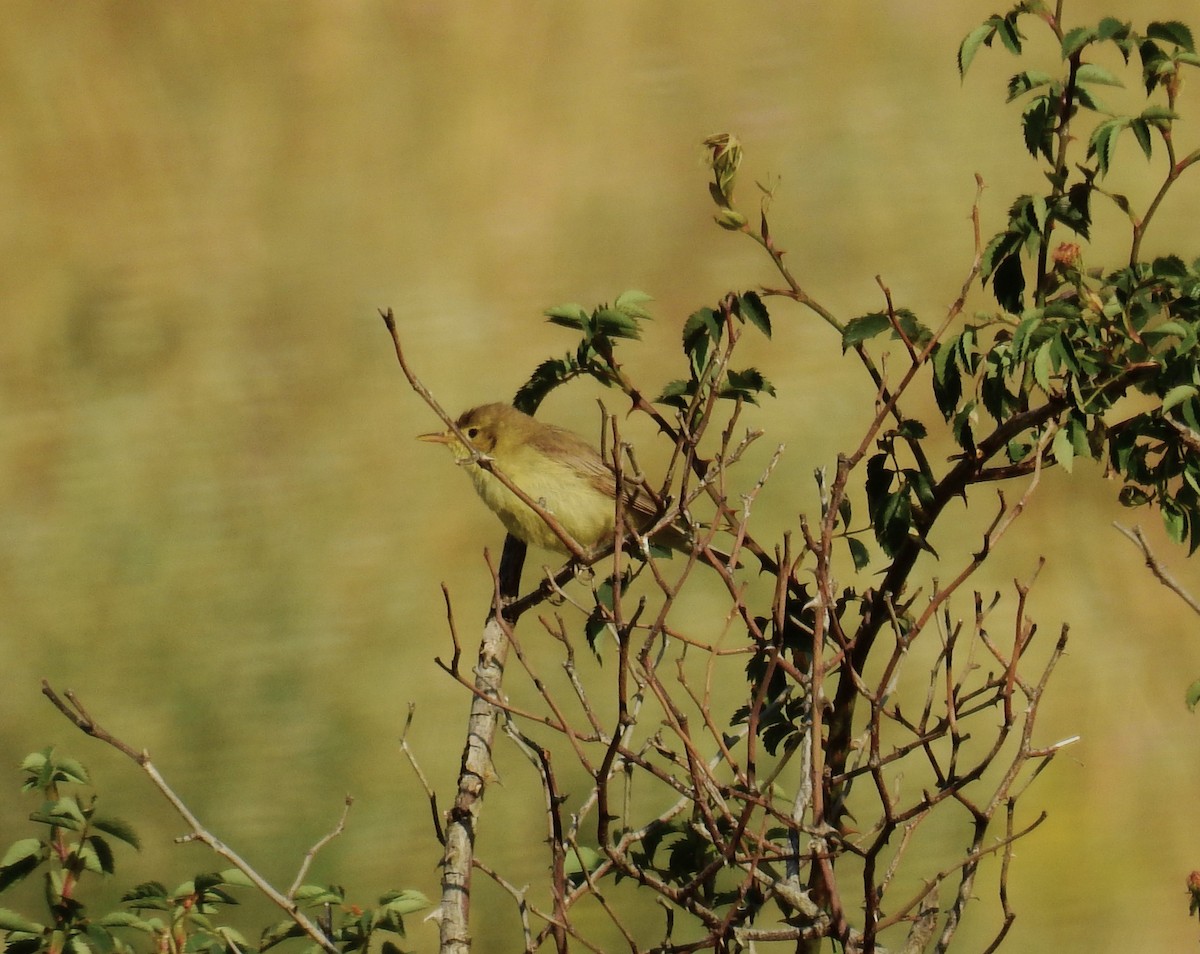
pixel 472 432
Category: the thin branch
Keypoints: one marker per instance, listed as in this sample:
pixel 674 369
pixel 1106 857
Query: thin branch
pixel 70 706
pixel 1158 568
pixel 311 854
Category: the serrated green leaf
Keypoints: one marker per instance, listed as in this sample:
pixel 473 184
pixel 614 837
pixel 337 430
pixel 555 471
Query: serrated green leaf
pixel 23 850
pixel 1177 395
pixel 96 855
pixel 12 921
pixel 1174 521
pixel 127 919
pixel 408 901
pixel 22 858
pixel 617 323
pixel 146 891
pixel 1141 132
pixel 1010 36
pixel 1037 126
pixel 569 315
pixel 630 302
pixel 1111 28
pixel 1075 40
pixel 1063 449
pixel 1092 73
pixel 747 383
pixel 1172 31
pixel 280 931
pixel 752 309
pixel 858 553
pixel 971 43
pixel 64 813
pixel 1103 142
pixel 118 828
pixel 1008 284
pixel 677 394
pixel 864 328
pixel 1021 83
pixel 310 894
pixel 1160 116
pixel 1043 366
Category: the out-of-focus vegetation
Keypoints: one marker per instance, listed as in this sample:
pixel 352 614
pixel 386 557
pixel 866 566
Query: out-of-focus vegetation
pixel 208 465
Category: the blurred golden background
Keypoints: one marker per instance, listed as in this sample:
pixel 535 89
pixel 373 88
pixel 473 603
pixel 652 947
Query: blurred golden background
pixel 208 455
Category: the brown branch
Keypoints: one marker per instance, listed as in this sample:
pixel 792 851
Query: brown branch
pixel 1158 568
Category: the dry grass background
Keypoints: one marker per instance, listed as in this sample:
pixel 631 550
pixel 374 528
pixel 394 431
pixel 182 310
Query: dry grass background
pixel 206 455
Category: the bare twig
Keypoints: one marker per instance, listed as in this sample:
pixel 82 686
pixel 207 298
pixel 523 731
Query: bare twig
pixel 311 854
pixel 1157 567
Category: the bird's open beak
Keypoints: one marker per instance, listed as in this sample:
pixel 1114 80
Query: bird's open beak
pixel 437 437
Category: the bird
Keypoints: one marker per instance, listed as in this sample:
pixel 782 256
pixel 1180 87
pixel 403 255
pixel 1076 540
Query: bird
pixel 557 469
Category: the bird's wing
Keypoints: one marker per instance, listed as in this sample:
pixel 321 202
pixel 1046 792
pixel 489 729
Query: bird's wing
pixel 600 473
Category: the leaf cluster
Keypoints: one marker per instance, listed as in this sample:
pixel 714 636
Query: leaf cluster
pixel 76 841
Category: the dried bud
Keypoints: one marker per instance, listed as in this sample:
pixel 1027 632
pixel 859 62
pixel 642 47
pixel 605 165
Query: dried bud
pixel 1067 254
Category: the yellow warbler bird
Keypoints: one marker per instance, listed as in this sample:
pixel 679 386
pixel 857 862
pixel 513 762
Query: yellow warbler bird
pixel 554 467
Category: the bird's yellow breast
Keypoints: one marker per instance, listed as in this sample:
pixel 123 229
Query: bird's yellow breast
pixel 583 511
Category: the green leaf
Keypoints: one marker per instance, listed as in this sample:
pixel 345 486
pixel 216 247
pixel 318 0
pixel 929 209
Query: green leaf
pixel 1043 366
pixel 971 43
pixel 616 323
pixel 408 901
pixel 280 931
pixel 1075 40
pixel 12 921
pixel 1008 284
pixel 1091 73
pixel 1160 116
pixel 308 895
pixel 23 850
pixel 746 384
pixel 569 315
pixel 1141 132
pixel 1193 696
pixel 858 553
pixel 1175 521
pixel 1022 83
pixel 630 303
pixel 22 858
pixel 702 330
pixel 1172 31
pixel 117 828
pixel 147 894
pixel 1037 125
pixel 1111 28
pixel 677 394
pixel 1103 142
pixel 128 919
pixel 96 855
pixel 864 328
pixel 64 813
pixel 1177 395
pixel 750 306
pixel 580 860
pixel 1063 449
